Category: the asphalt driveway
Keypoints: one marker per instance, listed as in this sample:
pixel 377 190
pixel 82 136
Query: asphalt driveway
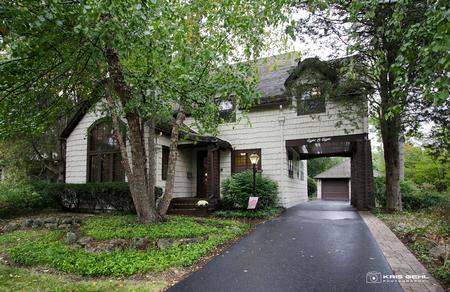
pixel 315 246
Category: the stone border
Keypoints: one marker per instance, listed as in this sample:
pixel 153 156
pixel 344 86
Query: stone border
pixel 401 260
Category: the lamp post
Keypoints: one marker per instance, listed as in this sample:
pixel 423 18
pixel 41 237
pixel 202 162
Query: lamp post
pixel 254 158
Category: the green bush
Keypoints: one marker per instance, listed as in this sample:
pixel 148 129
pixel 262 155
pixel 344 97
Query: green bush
pixel 413 197
pixel 16 199
pixel 111 196
pixel 99 196
pixel 312 187
pixel 238 188
pixel 249 214
pixel 380 191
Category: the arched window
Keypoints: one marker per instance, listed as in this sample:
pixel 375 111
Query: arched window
pixel 104 160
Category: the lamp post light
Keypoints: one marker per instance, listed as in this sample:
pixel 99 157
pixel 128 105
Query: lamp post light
pixel 254 158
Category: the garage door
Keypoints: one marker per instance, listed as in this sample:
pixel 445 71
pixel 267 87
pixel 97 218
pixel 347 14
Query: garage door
pixel 335 189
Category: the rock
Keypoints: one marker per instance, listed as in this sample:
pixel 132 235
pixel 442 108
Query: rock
pixel 85 240
pixel 116 244
pixel 70 238
pixel 164 242
pixel 141 243
pixel 440 251
pixel 50 220
pixel 428 243
pixel 37 223
pixel 27 222
pixel 76 221
pixel 51 226
pixel 190 240
pixel 10 227
pixel 67 221
pixel 64 226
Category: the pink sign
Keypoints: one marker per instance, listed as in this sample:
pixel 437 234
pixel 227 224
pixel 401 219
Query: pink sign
pixel 252 201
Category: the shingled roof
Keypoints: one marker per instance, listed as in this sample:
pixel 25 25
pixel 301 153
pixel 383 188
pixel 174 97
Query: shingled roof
pixel 342 170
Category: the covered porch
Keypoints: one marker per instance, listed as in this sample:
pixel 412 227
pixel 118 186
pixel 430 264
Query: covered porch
pixel 203 173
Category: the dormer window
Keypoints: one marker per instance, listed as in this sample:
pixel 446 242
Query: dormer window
pixel 227 113
pixel 310 101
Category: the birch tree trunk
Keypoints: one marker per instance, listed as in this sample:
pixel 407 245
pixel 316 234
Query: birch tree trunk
pixel 151 163
pixel 170 181
pixel 137 172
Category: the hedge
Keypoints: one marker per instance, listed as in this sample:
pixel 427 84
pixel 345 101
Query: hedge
pixel 413 197
pixel 111 196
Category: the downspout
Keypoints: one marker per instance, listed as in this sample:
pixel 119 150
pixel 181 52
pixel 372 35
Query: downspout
pixel 281 121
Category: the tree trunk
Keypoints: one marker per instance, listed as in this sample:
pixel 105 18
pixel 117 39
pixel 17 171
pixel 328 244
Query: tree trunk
pixel 170 181
pixel 137 174
pixel 390 130
pixel 151 163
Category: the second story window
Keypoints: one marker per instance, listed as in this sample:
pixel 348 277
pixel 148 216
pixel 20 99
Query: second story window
pixel 310 101
pixel 227 112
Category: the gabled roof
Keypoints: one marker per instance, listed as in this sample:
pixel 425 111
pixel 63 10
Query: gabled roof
pixel 342 170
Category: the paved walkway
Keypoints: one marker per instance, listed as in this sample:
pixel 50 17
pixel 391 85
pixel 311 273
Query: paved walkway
pixel 315 246
pixel 400 258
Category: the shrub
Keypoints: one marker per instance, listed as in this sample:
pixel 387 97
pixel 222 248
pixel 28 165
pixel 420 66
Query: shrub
pixel 110 196
pixel 16 199
pixel 238 188
pixel 380 191
pixel 312 187
pixel 413 197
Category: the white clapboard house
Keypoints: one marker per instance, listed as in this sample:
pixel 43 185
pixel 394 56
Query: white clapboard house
pixel 298 118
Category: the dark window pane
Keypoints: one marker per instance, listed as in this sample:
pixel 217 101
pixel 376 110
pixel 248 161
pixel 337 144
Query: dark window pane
pixel 311 102
pixel 104 156
pixel 165 162
pixel 241 160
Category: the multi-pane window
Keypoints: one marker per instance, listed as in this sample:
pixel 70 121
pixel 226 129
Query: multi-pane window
pixel 165 162
pixel 310 101
pixel 241 160
pixel 227 112
pixel 104 159
pixel 290 166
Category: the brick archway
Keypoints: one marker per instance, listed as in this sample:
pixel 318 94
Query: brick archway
pixel 357 147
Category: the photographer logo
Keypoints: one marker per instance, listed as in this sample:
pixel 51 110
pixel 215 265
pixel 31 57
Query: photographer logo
pixel 373 277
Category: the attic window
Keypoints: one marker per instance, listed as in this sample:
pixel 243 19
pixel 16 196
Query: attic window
pixel 227 113
pixel 310 101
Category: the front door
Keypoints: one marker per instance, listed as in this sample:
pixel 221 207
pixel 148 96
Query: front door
pixel 202 174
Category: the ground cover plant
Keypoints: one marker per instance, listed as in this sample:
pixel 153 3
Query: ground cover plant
pixel 178 242
pixel 421 231
pixel 21 279
pixel 249 214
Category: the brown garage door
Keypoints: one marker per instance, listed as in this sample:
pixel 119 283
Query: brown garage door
pixel 335 189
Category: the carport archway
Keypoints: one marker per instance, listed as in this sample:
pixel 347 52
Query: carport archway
pixel 357 147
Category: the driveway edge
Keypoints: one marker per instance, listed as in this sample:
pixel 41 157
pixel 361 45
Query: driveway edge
pixel 401 260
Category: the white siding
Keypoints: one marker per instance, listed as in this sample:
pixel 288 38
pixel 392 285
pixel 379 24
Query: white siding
pixel 269 129
pixel 76 149
pixel 76 157
pixel 319 188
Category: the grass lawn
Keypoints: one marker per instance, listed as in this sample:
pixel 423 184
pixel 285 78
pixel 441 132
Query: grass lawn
pixel 186 241
pixel 421 231
pixel 20 279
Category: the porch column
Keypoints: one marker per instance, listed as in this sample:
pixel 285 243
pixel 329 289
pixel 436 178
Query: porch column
pixel 213 186
pixel 362 189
